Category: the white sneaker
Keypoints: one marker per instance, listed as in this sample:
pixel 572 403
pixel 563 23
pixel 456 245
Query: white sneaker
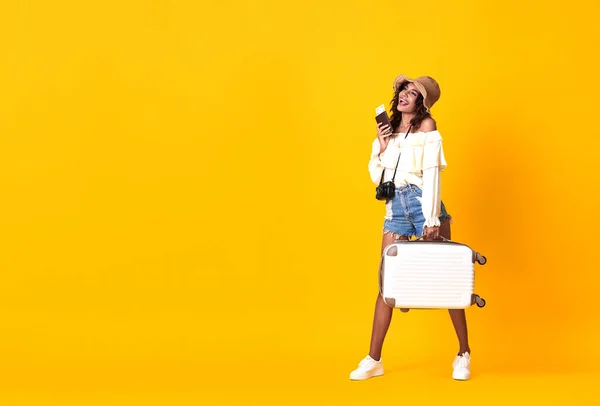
pixel 462 365
pixel 367 368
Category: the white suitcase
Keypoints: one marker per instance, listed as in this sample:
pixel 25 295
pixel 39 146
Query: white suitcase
pixel 423 274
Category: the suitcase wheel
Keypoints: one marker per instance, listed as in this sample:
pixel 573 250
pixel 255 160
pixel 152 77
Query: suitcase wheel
pixel 480 301
pixel 481 259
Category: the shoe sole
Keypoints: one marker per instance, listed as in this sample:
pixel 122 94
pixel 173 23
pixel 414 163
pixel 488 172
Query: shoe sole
pixel 461 377
pixel 375 375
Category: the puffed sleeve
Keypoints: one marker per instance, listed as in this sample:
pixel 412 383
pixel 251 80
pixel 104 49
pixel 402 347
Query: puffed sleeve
pixel 434 162
pixel 433 152
pixel 431 202
pixel 376 163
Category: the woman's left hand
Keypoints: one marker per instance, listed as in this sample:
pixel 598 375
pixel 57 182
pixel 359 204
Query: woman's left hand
pixel 431 233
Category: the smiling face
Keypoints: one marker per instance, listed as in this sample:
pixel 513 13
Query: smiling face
pixel 407 107
pixel 407 98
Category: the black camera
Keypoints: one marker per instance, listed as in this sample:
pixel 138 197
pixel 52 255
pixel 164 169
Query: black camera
pixel 385 191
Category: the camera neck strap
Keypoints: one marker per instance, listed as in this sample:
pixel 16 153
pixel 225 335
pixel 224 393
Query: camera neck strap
pixel 397 162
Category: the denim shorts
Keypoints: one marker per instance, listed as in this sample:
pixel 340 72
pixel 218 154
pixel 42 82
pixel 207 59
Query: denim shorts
pixel 404 213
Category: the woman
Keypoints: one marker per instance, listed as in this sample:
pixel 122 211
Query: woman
pixel 416 209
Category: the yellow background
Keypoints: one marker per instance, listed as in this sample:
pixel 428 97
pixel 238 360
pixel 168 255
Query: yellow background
pixel 186 215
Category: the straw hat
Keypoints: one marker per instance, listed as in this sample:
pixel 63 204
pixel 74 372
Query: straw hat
pixel 428 87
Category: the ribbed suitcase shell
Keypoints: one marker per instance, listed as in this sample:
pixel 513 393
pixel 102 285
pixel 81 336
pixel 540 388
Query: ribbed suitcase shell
pixel 427 275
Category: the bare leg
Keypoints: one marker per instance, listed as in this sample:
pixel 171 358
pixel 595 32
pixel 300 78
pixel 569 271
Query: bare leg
pixel 459 321
pixel 458 317
pixel 383 313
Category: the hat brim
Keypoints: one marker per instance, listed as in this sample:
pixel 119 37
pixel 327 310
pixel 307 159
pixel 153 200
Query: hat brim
pixel 401 79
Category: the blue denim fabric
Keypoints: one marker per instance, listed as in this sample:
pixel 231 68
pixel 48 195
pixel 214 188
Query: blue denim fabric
pixel 404 213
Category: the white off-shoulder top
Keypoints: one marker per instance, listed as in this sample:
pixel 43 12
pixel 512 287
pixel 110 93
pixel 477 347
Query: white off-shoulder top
pixel 421 161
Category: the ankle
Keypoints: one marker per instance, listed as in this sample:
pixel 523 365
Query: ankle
pixel 378 358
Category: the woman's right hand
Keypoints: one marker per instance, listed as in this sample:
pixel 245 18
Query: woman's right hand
pixel 383 134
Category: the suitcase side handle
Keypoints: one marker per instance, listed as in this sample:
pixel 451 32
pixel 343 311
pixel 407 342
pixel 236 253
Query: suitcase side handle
pixel 477 257
pixel 390 302
pixel 440 237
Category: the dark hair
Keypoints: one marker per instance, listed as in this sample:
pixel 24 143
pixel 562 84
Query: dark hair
pixel 421 112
